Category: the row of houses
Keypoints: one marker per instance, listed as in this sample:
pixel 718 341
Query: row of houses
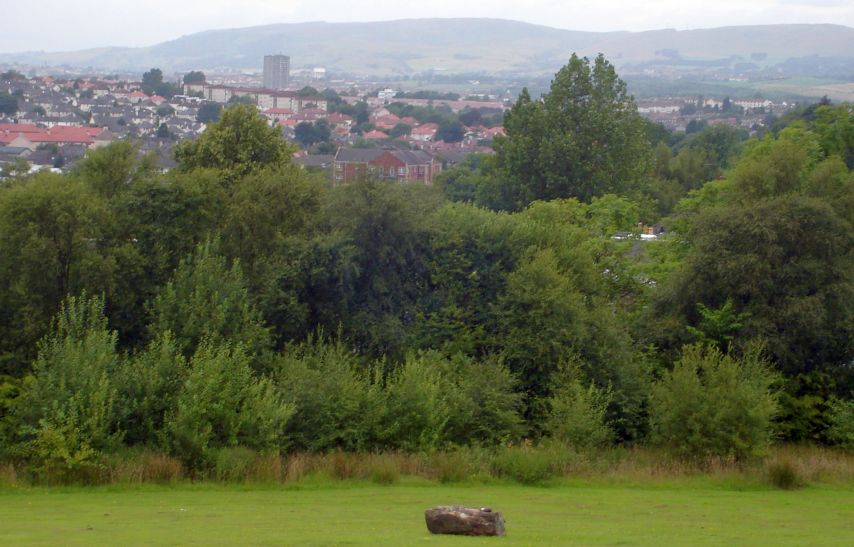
pixel 30 137
pixel 264 98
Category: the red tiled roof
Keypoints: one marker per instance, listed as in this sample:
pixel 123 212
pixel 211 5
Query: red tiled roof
pixel 68 134
pixel 337 117
pixel 426 129
pixel 375 135
pixel 58 134
pixel 20 128
pixel 388 118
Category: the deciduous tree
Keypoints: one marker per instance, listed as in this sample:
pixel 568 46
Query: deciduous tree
pixel 583 139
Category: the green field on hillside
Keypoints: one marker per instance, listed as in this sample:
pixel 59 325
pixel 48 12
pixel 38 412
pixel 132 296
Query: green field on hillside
pixel 354 513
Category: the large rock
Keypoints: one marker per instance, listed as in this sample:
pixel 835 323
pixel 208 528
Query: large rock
pixel 466 521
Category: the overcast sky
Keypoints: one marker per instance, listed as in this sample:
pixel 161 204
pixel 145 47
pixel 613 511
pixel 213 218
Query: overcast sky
pixel 62 25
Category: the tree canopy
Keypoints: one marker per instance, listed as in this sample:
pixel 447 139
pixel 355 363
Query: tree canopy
pixel 8 104
pixel 194 77
pixel 191 312
pixel 238 144
pixel 584 138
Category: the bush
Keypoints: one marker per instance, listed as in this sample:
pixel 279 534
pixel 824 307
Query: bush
pixel 453 466
pixel 434 401
pixel 208 299
pixel 62 453
pixel 232 464
pixel 526 465
pixel 68 417
pixel 336 405
pixel 577 415
pixel 714 405
pixel 784 475
pixel 417 413
pixel 222 404
pixel 484 406
pixel 148 385
pixel 841 431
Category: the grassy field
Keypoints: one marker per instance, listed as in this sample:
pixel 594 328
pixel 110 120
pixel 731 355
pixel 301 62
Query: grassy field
pixel 684 512
pixel 807 87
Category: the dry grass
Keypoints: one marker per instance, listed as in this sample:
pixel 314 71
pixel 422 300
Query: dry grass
pixel 815 463
pixel 8 475
pixel 785 466
pixel 146 467
pixel 266 468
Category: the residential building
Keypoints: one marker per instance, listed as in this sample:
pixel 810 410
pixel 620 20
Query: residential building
pixel 398 165
pixel 264 98
pixel 277 70
pixel 30 137
pixel 425 132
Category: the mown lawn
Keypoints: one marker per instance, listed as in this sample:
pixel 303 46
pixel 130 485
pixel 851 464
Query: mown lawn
pixel 353 513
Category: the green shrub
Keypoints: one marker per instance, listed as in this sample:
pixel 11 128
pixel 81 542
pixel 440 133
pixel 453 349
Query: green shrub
pixel 222 404
pixel 484 406
pixel 336 404
pixel 784 475
pixel 452 466
pixel 232 464
pixel 841 431
pixel 524 466
pixel 417 412
pixel 68 417
pixel 577 413
pixel 714 405
pixel 148 389
pixel 62 454
pixel 208 299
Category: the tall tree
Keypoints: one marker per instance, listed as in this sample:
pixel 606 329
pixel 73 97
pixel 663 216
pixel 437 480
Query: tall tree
pixel 207 300
pixel 151 79
pixel 194 77
pixel 584 139
pixel 54 240
pixel 8 104
pixel 238 144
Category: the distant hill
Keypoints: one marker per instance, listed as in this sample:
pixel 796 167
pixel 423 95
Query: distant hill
pixel 458 46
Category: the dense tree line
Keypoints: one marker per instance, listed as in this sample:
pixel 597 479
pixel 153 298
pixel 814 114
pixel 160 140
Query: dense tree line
pixel 239 301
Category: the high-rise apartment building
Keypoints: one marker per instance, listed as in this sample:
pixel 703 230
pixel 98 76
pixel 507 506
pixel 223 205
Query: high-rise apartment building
pixel 277 69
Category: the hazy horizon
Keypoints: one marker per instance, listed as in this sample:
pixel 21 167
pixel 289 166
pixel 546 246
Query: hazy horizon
pixel 97 23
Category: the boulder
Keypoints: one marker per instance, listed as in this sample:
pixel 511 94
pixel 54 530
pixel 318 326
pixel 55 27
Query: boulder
pixel 466 521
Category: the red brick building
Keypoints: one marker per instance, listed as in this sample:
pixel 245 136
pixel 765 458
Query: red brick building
pixel 388 164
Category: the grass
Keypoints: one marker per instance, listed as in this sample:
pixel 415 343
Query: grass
pixel 808 87
pixel 550 496
pixel 326 512
pixel 785 466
